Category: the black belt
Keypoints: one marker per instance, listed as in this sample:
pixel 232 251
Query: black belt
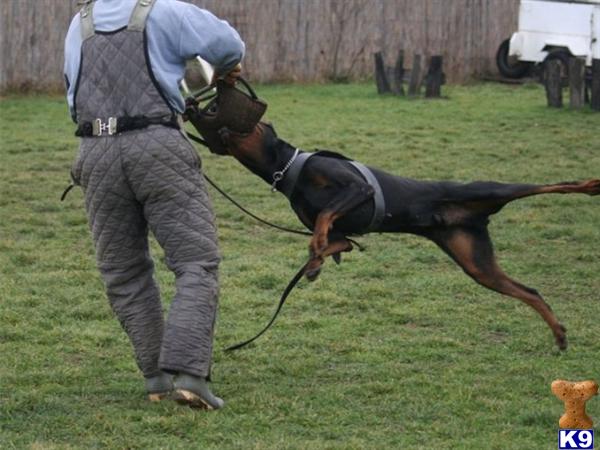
pixel 115 125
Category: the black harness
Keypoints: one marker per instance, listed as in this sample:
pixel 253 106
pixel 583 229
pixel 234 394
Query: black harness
pixel 289 177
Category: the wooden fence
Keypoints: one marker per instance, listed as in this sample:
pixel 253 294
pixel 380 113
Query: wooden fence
pixel 288 40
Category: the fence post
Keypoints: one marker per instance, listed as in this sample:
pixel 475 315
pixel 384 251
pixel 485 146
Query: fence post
pixel 433 81
pixel 414 85
pixel 399 74
pixel 596 84
pixel 383 85
pixel 576 82
pixel 553 84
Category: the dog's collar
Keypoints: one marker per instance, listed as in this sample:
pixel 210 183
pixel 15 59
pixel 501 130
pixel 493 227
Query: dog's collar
pixel 281 174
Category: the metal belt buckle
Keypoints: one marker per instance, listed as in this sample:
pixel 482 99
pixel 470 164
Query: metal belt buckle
pixel 99 127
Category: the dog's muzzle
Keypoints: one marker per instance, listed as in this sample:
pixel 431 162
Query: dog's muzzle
pixel 230 108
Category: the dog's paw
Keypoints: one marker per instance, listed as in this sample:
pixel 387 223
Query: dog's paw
pixel 561 338
pixel 337 257
pixel 592 187
pixel 313 269
pixel 312 275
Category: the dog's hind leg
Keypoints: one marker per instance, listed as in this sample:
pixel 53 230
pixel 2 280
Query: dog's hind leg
pixel 489 197
pixel 589 187
pixel 472 250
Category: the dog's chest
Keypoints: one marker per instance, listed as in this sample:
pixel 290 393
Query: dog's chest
pixel 307 207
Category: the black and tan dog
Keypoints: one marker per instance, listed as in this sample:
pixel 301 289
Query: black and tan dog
pixel 333 199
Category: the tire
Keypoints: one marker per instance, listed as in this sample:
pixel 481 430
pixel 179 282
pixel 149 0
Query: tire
pixel 562 56
pixel 508 67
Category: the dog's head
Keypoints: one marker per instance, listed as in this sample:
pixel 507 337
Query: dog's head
pixel 229 108
pixel 262 138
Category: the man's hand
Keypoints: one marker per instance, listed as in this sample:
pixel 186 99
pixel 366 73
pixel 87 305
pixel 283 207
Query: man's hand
pixel 232 77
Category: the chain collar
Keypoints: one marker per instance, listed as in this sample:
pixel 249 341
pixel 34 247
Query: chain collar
pixel 278 176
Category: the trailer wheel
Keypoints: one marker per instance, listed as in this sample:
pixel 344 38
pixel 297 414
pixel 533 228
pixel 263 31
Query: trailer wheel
pixel 509 66
pixel 562 56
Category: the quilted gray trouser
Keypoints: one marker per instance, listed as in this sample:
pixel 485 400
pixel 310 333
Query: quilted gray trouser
pixel 150 179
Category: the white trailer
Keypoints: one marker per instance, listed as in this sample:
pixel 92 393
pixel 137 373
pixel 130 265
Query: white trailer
pixel 551 29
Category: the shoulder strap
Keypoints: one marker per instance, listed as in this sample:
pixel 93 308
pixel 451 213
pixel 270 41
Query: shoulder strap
pixel 379 212
pixel 86 18
pixel 140 13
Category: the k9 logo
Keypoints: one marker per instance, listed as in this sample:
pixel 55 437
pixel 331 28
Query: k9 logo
pixel 575 439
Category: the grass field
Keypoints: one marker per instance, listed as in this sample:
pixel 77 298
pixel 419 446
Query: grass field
pixel 394 348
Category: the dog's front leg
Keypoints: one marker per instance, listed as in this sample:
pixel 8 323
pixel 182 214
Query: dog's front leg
pixel 350 197
pixel 335 248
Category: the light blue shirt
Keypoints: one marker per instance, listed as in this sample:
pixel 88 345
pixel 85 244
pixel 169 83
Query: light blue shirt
pixel 176 32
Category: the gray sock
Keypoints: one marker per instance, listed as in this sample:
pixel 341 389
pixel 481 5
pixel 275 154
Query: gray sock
pixel 159 384
pixel 199 386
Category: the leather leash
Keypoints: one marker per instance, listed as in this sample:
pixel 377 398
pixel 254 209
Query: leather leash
pixel 254 216
pixel 293 282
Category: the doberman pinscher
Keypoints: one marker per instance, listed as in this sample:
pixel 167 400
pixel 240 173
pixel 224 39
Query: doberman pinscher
pixel 334 200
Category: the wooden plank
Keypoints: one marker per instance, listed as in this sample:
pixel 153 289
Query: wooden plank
pixel 553 84
pixel 414 86
pixel 381 80
pixel 596 85
pixel 433 81
pixel 576 82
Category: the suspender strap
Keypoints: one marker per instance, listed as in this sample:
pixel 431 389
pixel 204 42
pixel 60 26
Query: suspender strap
pixel 137 22
pixel 379 213
pixel 86 18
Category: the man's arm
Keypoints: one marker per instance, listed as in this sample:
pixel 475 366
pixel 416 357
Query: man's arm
pixel 72 61
pixel 214 40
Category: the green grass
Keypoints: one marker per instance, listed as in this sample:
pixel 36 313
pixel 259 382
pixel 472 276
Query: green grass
pixel 395 348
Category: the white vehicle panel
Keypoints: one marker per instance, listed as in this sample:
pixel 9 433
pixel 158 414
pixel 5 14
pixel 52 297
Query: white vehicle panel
pixel 529 47
pixel 555 18
pixel 593 2
pixel 547 24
